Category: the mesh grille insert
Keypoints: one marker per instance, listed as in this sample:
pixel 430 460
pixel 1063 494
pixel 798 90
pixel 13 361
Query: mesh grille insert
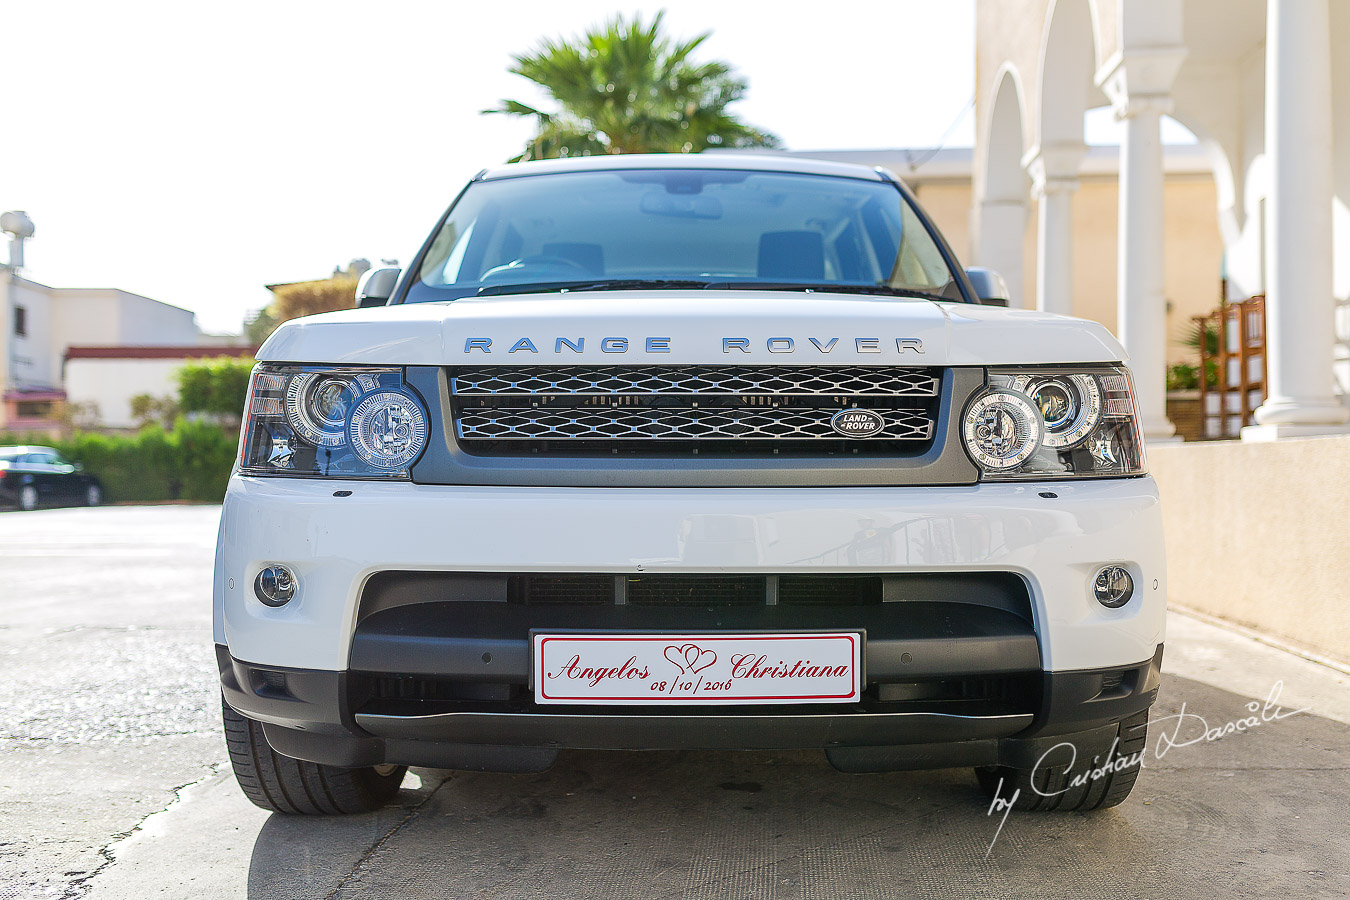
pixel 686 381
pixel 698 590
pixel 583 590
pixel 694 590
pixel 829 590
pixel 673 424
pixel 685 410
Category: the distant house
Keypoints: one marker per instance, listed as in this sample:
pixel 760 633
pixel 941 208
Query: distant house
pixel 106 378
pixel 44 324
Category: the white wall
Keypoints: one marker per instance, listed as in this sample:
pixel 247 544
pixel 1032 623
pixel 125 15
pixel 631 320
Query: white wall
pixel 82 317
pixel 143 320
pixel 32 364
pixel 103 317
pixel 110 384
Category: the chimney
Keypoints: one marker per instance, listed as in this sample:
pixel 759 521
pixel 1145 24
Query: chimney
pixel 19 228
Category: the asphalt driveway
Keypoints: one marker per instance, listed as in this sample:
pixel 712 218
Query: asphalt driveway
pixel 113 781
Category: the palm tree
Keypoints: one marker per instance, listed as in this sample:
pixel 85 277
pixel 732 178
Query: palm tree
pixel 627 88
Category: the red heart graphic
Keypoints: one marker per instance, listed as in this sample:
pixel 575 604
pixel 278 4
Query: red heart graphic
pixel 675 654
pixel 694 657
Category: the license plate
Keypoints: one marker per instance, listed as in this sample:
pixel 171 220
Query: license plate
pixel 697 669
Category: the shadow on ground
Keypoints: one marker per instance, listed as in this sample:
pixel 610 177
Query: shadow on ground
pixel 1259 813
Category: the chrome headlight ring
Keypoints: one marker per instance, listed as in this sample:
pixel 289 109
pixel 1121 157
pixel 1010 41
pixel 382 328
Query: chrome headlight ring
pixel 332 422
pixel 1070 406
pixel 1002 429
pixel 1054 423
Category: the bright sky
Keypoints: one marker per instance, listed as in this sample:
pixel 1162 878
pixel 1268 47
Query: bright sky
pixel 194 152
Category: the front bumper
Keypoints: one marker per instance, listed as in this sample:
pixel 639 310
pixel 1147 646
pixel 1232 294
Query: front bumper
pixel 323 672
pixel 327 717
pixel 1053 536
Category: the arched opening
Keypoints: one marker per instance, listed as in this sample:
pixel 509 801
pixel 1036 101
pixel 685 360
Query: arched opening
pixel 1003 208
pixel 1068 62
pixel 1065 92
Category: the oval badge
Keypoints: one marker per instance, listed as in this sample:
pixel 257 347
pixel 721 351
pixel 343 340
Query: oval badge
pixel 857 423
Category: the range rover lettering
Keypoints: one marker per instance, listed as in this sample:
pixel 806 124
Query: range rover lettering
pixel 712 451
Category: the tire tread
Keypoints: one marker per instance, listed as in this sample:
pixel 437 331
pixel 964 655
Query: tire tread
pixel 281 784
pixel 1101 793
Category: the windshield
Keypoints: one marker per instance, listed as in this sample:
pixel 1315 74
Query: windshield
pixel 689 228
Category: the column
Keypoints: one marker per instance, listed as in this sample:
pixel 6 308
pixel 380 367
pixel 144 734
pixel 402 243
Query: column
pixel 1054 178
pixel 1003 226
pixel 1299 303
pixel 1141 307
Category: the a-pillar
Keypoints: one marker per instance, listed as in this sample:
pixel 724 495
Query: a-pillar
pixel 1299 303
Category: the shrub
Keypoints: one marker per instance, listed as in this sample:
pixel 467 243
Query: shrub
pixel 203 459
pixel 306 298
pixel 216 387
pixel 147 408
pixel 1186 377
pixel 191 462
pixel 1183 377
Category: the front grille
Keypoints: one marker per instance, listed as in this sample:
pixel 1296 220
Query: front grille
pixel 672 424
pixel 691 409
pixel 571 590
pixel 699 590
pixel 694 590
pixel 829 590
pixel 694 381
pixel 807 593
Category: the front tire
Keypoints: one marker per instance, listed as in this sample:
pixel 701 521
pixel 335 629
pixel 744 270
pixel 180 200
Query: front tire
pixel 1051 788
pixel 93 495
pixel 295 787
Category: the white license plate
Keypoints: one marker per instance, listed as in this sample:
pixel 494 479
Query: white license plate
pixel 694 669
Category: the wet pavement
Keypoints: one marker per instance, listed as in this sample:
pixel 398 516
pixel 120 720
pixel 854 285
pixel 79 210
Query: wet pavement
pixel 113 781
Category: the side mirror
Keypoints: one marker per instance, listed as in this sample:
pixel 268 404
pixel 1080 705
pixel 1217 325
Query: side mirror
pixel 376 287
pixel 990 288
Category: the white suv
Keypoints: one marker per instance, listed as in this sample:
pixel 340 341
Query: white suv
pixel 709 451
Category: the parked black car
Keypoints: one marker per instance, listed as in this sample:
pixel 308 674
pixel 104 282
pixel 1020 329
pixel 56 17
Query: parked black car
pixel 37 476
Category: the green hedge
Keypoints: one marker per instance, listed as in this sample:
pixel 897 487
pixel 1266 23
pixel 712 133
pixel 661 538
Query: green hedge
pixel 191 462
pixel 216 386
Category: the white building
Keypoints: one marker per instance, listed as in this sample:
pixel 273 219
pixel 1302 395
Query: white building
pixel 941 179
pixel 107 378
pixel 1259 86
pixel 44 323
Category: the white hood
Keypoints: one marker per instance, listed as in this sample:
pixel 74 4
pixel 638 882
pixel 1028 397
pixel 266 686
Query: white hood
pixel 668 327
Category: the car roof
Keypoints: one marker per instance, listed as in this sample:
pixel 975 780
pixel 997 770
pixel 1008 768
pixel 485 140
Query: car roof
pixel 26 448
pixel 739 161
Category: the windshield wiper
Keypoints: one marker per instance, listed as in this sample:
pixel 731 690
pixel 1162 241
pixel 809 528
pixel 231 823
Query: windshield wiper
pixel 636 284
pixel 612 284
pixel 884 290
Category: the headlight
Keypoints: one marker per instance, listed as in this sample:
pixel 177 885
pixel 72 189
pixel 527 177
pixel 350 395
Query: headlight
pixel 331 422
pixel 1043 423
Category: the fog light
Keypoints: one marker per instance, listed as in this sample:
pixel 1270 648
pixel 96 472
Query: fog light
pixel 275 585
pixel 1113 587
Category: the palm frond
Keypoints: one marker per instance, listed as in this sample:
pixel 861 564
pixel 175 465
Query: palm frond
pixel 625 87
